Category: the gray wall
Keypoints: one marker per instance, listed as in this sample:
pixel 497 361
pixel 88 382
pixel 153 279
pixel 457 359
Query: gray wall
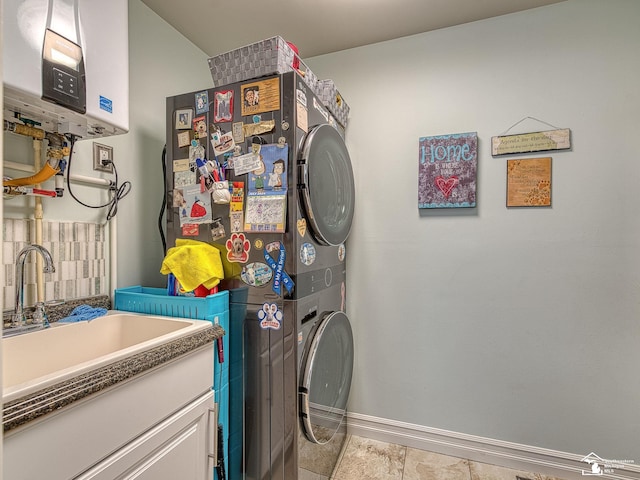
pixel 162 63
pixel 515 324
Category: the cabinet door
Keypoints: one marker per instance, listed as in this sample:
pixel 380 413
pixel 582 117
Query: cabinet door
pixel 182 446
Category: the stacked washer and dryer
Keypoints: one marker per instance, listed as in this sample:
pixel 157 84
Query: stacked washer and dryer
pixel 291 345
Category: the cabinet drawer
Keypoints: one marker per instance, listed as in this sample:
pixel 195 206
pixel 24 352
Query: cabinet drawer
pixel 178 447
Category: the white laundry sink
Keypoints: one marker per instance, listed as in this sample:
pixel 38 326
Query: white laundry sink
pixel 36 360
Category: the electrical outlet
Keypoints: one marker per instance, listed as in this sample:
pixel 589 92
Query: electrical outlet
pixel 102 158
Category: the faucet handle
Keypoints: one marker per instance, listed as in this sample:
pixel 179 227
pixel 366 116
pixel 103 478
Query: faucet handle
pixel 18 319
pixel 40 315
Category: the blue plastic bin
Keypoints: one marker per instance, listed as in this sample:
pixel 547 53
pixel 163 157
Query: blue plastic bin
pixel 155 301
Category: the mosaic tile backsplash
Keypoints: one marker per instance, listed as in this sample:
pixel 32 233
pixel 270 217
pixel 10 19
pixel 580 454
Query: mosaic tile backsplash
pixel 79 255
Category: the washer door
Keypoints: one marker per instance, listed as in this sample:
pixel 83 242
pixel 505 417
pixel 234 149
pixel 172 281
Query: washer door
pixel 326 185
pixel 326 374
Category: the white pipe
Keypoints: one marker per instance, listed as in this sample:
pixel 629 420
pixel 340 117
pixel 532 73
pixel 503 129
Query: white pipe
pixel 19 166
pixel 113 257
pixel 39 215
pixel 99 182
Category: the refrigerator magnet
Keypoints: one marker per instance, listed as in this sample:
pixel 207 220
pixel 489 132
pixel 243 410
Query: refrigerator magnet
pixel 184 179
pixel 197 207
pixel 270 316
pixel 280 276
pixel 236 220
pixel 190 230
pixel 307 254
pixel 230 157
pixel 237 197
pixel 238 248
pixel 256 274
pixel 217 229
pixel 303 117
pixel 259 128
pixel 184 139
pixel 301 224
pixel 259 97
pixel 265 214
pixel 202 102
pixel 238 132
pixel 178 198
pixel 223 106
pixel 181 165
pixel 222 143
pixel 183 119
pixel 246 163
pixel 195 152
pixel 200 126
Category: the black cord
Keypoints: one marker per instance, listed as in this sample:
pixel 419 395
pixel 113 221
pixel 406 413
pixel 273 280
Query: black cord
pixel 164 198
pixel 117 192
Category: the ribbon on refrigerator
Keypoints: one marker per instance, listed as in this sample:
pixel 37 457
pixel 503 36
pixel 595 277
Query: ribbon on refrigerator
pixel 281 277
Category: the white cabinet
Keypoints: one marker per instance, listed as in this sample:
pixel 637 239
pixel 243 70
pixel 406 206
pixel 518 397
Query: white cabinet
pixel 149 426
pixel 182 446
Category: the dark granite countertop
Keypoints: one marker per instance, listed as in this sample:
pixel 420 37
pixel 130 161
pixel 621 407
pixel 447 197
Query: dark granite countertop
pixel 57 310
pixel 25 409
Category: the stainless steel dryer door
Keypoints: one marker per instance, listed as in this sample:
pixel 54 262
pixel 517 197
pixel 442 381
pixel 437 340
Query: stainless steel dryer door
pixel 326 374
pixel 326 185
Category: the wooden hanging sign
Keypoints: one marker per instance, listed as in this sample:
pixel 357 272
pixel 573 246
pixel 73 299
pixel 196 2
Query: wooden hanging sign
pixel 529 182
pixel 531 142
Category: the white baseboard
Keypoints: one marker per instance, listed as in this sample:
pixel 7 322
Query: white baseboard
pixel 485 450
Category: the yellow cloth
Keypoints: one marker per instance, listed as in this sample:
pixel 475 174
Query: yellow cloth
pixel 231 269
pixel 193 263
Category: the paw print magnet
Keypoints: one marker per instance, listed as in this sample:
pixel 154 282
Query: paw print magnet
pixel 270 316
pixel 238 248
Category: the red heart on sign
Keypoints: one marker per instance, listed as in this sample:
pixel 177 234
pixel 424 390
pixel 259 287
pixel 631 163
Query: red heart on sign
pixel 446 185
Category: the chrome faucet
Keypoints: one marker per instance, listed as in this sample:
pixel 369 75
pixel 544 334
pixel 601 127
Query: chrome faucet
pixel 18 319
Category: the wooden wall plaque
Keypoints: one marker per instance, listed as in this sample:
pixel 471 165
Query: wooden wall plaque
pixel 531 142
pixel 529 182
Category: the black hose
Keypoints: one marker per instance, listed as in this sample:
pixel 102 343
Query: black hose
pixel 164 198
pixel 220 470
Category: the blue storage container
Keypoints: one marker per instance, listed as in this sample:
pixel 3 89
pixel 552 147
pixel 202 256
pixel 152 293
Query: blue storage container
pixel 155 301
pixel 214 308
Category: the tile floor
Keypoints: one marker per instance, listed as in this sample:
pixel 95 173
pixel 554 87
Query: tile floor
pixel 366 459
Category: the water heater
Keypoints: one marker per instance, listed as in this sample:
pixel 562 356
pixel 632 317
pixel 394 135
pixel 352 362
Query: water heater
pixel 66 65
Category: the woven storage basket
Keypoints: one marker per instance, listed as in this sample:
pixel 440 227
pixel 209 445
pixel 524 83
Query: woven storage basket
pixel 333 100
pixel 266 57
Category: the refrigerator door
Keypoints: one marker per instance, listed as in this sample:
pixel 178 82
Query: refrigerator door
pixel 326 185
